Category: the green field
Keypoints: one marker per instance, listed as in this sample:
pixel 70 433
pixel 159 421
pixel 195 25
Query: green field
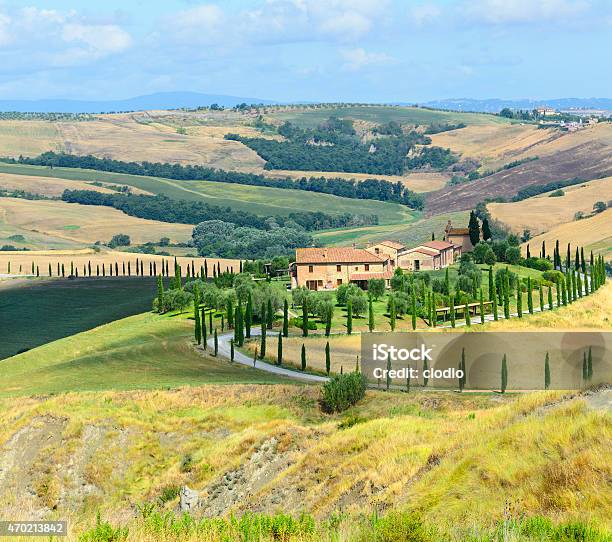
pixel 255 199
pixel 42 311
pixel 418 230
pixel 139 352
pixel 382 114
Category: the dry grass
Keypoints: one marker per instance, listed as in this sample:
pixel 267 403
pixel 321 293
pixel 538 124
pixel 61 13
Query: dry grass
pixel 593 233
pixel 81 257
pixel 85 224
pixel 46 186
pixel 29 137
pixel 542 213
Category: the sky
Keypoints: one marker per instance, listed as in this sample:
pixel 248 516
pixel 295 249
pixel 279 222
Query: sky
pixel 307 50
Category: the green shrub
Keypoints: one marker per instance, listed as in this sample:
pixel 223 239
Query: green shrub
pixel 104 532
pixel 168 493
pixel 556 194
pixel 342 392
pixel 351 420
pixel 552 276
pixel 297 322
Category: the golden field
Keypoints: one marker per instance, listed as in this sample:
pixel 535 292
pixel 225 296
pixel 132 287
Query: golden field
pixel 46 186
pixel 85 224
pixel 542 213
pixel 593 233
pixel 81 258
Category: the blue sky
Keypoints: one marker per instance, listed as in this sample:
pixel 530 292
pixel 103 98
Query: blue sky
pixel 320 50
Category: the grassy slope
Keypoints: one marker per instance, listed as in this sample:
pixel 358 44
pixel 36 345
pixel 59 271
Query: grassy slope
pixel 384 114
pixel 452 457
pixel 255 199
pixel 143 351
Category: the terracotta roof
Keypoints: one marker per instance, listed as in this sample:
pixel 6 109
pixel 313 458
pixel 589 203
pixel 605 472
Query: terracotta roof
pixel 392 244
pixel 423 250
pixel 336 255
pixel 458 231
pixel 437 245
pixel 368 276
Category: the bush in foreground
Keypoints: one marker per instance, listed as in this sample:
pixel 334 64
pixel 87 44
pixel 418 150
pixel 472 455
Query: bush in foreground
pixel 342 392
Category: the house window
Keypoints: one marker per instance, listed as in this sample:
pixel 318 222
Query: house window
pixel 310 268
pixel 367 267
pixel 377 250
pixel 339 282
pixel 338 268
pixel 417 265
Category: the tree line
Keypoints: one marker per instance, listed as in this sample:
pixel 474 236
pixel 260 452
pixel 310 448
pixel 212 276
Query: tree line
pixel 164 209
pixel 376 189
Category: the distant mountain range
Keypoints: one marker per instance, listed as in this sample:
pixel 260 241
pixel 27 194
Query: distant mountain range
pixel 496 105
pixel 159 100
pixel 176 100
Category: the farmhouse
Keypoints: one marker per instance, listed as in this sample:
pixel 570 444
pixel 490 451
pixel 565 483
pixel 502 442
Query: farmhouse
pixel 389 249
pixel 328 268
pixel 429 256
pixel 459 237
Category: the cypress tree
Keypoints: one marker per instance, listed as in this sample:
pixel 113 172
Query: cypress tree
pixel 413 308
pixel 205 268
pixel 582 262
pixel 196 317
pixel 486 229
pixel 279 349
pixel 270 314
pixel 50 274
pixel 58 268
pixel 63 275
pixel 210 321
pixel 103 269
pixel 528 252
pixel 482 311
pixel 493 299
pixel 349 317
pixel 123 268
pixel 231 350
pixel 408 381
pixel 550 299
pixel 71 268
pixel 229 309
pixel 564 291
pixel 529 295
pixel 240 324
pixel 452 310
pixel 447 283
pixel 568 258
pixel 491 284
pixel 37 271
pixel 519 301
pixel 506 293
pixel 130 271
pixel 286 318
pixel 558 291
pixel 150 269
pixel 370 315
pixel 248 316
pixel 262 352
pixel 203 326
pixel 577 259
pixel 468 320
pixel 328 320
pixel 543 249
pixel 546 373
pixel 392 314
pixel 474 229
pixel 160 295
pixel 303 356
pixel 425 373
pixel 434 314
pixel 578 285
pixel 116 269
pixel 89 267
pixel 327 359
pixel 216 343
pixel 504 374
pixel 389 366
pixel 585 371
pixel 305 317
pixel 541 292
pixel 97 270
pixel 236 326
pixel 222 322
pixel 590 365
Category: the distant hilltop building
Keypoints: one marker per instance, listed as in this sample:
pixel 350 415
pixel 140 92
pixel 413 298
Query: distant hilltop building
pixel 546 111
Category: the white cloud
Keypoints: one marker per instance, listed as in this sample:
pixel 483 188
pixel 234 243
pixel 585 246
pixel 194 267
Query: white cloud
pixel 358 58
pixel 100 39
pixel 523 11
